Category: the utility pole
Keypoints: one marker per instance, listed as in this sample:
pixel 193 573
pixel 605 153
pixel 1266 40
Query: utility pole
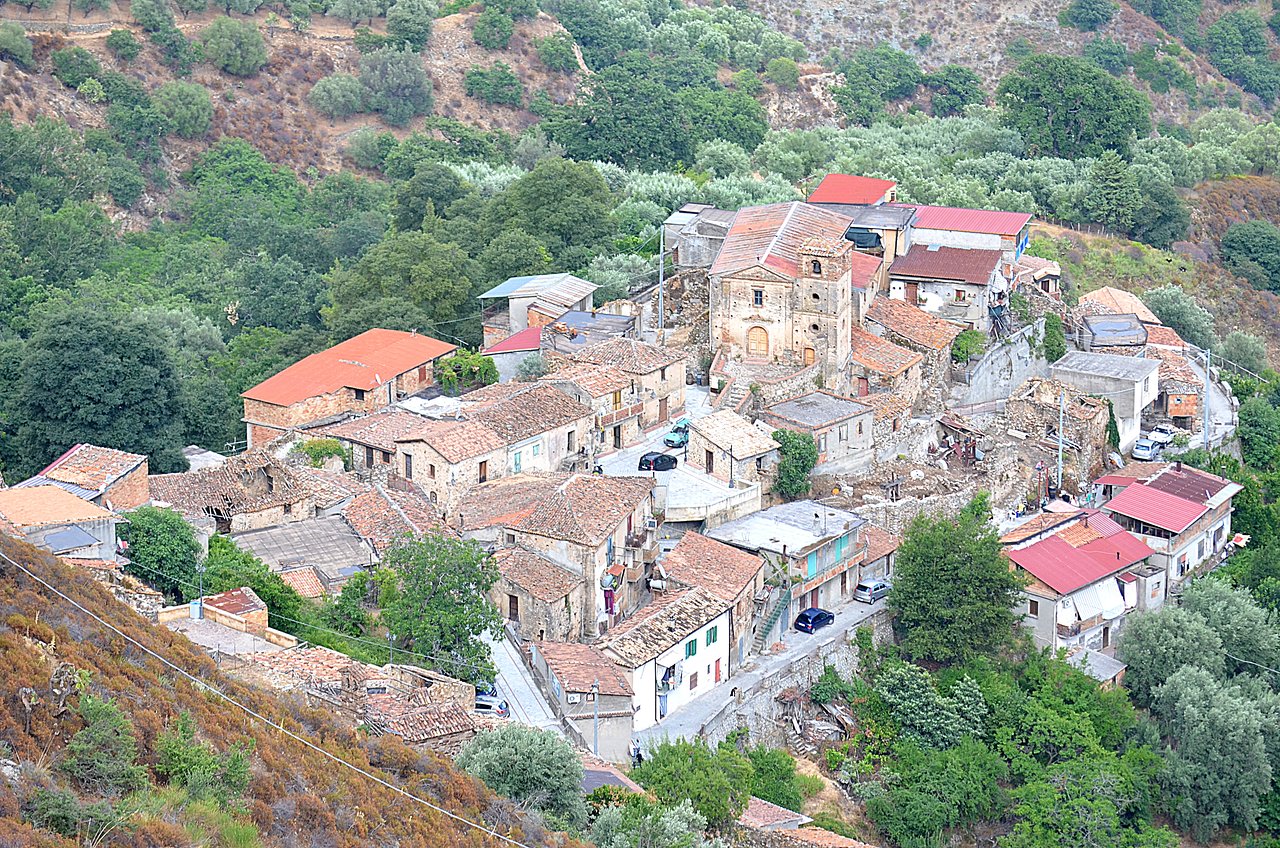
pixel 391 648
pixel 200 566
pixel 1062 415
pixel 662 263
pixel 595 722
pixel 1208 378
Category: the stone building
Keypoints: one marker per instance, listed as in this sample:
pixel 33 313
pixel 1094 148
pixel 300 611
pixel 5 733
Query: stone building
pixel 363 374
pixel 694 234
pixel 917 330
pixel 728 573
pixel 783 288
pixel 443 457
pixel 543 428
pixel 539 599
pixel 616 397
pixel 515 299
pixel 953 283
pixel 841 427
pixel 602 529
pixel 1130 383
pixel 370 440
pixel 1008 233
pixel 53 519
pixel 880 366
pixel 486 509
pixel 110 478
pixel 726 446
pixel 249 491
pixel 1033 409
pixel 382 517
pixel 660 372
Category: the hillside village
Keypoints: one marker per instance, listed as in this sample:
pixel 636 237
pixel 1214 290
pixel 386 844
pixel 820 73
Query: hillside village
pixel 661 568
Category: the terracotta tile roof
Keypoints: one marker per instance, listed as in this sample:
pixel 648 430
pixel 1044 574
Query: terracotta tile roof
pixel 1036 525
pixel 308 666
pixel 666 622
pixel 1132 472
pixel 385 516
pixel 629 355
pixel 88 469
pixel 881 355
pixel 849 188
pixel 773 235
pixel 1189 483
pixel 93 564
pixel 863 270
pixel 506 501
pixel 1174 367
pixel 727 429
pixel 578 666
pixel 236 601
pixel 371 359
pixel 880 543
pixel 456 439
pixel 594 380
pixel 1078 535
pixel 39 506
pixel 596 772
pixel 762 815
pixel 1120 302
pixel 723 570
pixel 330 488
pixel 1162 336
pixel 536 574
pixel 380 430
pixel 305 581
pixel 969 220
pixel 224 489
pixel 926 262
pixel 886 404
pixel 913 324
pixel 529 411
pixel 417 724
pixel 821 838
pixel 587 508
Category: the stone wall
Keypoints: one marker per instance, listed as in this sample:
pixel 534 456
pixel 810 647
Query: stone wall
pixel 757 708
pixel 1007 364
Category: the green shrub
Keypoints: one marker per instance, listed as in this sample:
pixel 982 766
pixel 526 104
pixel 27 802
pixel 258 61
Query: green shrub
pixel 318 450
pixel 60 811
pixel 91 6
pixel 783 72
pixel 1107 53
pixel 235 47
pixel 829 687
pixel 193 764
pixel 395 85
pixel 797 457
pixel 498 84
pixel 74 65
pixel 493 29
pixel 186 107
pixel 557 53
pixel 967 344
pixel 1055 341
pixel 123 45
pixel 1088 15
pixel 92 90
pixel 102 755
pixel 14 44
pixel 337 96
pixel 152 15
pixel 409 21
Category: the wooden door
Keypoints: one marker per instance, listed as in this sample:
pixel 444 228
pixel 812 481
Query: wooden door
pixel 913 293
pixel 757 342
pixel 484 470
pixel 808 356
pixel 662 409
pixel 513 608
pixel 717 671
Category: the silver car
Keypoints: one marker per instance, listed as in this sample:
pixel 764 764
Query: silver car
pixel 870 591
pixel 1145 449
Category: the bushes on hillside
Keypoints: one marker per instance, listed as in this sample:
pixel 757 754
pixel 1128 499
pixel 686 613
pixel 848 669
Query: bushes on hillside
pixel 338 96
pixel 123 45
pixel 235 47
pixel 395 85
pixel 493 29
pixel 74 65
pixel 409 22
pixel 557 53
pixel 14 44
pixel 497 84
pixel 186 108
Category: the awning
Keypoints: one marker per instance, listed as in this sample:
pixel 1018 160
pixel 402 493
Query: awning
pixel 1087 602
pixel 1240 540
pixel 1112 600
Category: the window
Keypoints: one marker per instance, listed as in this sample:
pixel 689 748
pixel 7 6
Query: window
pixel 484 470
pixel 431 471
pixel 422 374
pixel 408 467
pixel 368 457
pixel 812 564
pixel 516 462
pixel 616 400
pixel 537 449
pixel 569 441
pixel 691 648
pixel 1200 550
pixel 1146 385
pixel 511 540
pixel 757 297
pixel 844 432
pixel 662 373
pixel 816 267
pixel 693 681
pixel 359 394
pixel 433 497
pixel 961 295
pixel 713 633
pixel 1033 609
pixel 859 428
pixel 385 457
pixel 288 509
pixel 822 443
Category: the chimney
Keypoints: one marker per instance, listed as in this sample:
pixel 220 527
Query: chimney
pixel 1177 466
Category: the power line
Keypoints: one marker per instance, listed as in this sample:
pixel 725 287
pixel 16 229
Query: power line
pixel 439 660
pixel 200 683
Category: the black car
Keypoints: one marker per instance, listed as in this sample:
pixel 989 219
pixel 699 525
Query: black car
pixel 813 619
pixel 654 461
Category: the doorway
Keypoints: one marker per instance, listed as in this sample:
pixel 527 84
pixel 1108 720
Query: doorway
pixel 513 608
pixel 662 410
pixel 617 436
pixel 757 342
pixel 484 470
pixel 717 671
pixel 710 462
pixel 913 293
pixel 808 356
pixel 814 598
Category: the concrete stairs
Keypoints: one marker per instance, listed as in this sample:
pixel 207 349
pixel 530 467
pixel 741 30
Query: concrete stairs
pixel 762 635
pixel 733 395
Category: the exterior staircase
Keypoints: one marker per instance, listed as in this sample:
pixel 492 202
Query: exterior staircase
pixel 732 395
pixel 762 634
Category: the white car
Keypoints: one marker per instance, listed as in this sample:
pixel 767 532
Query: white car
pixel 1145 449
pixel 1162 434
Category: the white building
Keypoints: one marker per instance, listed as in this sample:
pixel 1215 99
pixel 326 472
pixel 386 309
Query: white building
pixel 1131 384
pixel 672 651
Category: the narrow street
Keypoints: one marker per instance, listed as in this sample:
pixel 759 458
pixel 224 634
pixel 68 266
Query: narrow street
pixel 624 462
pixel 1222 421
pixel 517 687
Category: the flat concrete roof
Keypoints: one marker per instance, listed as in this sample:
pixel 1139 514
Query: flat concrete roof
pixel 798 526
pixel 1131 368
pixel 880 217
pixel 327 544
pixel 817 408
pixel 1125 329
pixel 212 636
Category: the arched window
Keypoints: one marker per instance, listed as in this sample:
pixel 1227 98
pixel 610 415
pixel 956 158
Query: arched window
pixel 757 342
pixel 817 268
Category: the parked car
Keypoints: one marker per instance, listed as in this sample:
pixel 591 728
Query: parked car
pixel 654 461
pixel 1146 449
pixel 484 687
pixel 870 591
pixel 1162 434
pixel 492 705
pixel 813 619
pixel 679 435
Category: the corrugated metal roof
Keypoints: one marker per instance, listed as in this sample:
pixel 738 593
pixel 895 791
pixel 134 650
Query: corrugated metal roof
pixel 849 188
pixel 1064 568
pixel 543 286
pixel 773 235
pixel 969 220
pixel 1157 508
pixel 947 263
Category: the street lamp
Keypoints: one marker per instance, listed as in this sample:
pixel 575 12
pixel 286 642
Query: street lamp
pixel 200 566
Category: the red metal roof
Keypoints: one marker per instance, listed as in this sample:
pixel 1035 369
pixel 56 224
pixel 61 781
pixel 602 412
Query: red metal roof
pixel 371 359
pixel 1064 568
pixel 527 339
pixel 773 236
pixel 947 263
pixel 848 188
pixel 969 220
pixel 1155 507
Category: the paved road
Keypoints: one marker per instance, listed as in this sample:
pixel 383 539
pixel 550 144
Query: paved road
pixel 1222 420
pixel 516 685
pixel 623 463
pixel 688 721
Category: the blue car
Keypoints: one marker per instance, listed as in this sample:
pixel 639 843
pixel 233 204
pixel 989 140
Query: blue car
pixel 813 619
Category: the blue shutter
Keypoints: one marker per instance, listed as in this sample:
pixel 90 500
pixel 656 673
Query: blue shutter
pixel 813 563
